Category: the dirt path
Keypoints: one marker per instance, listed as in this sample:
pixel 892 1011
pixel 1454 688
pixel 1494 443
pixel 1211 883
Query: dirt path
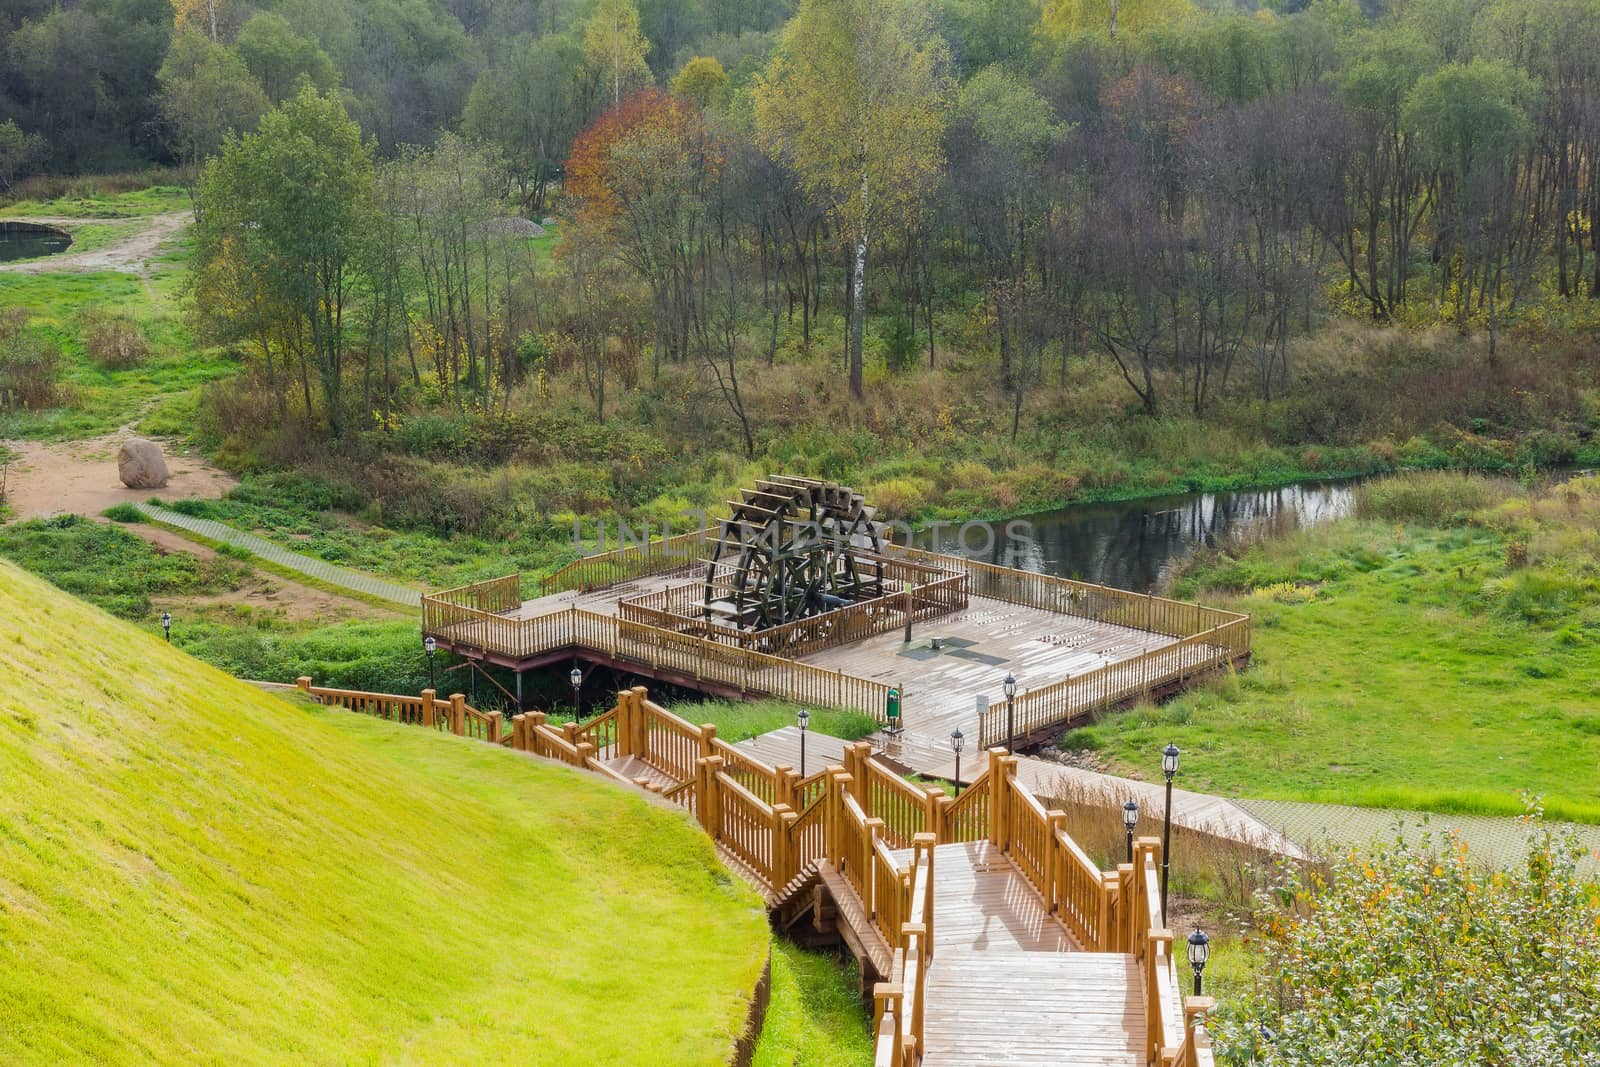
pixel 130 254
pixel 81 477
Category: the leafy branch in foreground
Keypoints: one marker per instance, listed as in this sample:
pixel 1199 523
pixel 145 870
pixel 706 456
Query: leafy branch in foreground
pixel 1414 954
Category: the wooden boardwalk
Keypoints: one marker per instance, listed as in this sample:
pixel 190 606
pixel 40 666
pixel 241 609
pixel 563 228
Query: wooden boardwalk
pixel 1008 984
pixel 993 939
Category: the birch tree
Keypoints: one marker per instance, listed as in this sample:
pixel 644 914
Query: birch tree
pixel 855 100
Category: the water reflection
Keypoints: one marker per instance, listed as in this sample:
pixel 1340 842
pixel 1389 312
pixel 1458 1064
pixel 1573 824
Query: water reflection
pixel 1134 544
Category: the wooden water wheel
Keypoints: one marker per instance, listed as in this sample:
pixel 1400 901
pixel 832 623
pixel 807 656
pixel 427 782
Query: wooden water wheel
pixel 789 551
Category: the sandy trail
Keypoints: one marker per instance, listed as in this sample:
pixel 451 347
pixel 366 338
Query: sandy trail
pixel 128 255
pixel 81 477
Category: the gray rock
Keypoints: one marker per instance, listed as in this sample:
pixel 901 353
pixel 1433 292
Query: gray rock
pixel 140 464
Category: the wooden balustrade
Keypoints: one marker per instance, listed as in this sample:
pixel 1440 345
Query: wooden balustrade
pixel 1066 701
pixel 889 898
pixel 1141 611
pixel 622 564
pixel 899 1005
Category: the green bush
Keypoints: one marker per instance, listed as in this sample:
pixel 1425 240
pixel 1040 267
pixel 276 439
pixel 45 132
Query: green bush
pixel 123 513
pixel 1410 954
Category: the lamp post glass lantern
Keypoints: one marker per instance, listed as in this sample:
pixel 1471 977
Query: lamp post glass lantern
pixel 1010 685
pixel 166 625
pixel 1130 819
pixel 957 740
pixel 430 646
pixel 1169 767
pixel 804 720
pixel 1199 952
pixel 576 678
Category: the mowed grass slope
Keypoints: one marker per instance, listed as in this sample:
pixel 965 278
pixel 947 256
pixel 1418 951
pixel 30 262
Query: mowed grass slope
pixel 192 871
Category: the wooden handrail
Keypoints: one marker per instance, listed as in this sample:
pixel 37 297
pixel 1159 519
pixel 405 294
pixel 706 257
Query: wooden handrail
pixel 621 564
pixel 1063 703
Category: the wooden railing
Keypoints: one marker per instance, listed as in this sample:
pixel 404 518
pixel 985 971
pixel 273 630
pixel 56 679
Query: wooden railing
pixel 470 630
pixel 678 610
pixel 452 716
pixel 1085 600
pixel 1066 701
pixel 626 563
pixel 899 1004
pixel 494 596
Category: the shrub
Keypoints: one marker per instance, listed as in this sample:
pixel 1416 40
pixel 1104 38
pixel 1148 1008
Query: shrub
pixel 29 364
pixel 123 513
pixel 1421 958
pixel 114 342
pixel 1435 498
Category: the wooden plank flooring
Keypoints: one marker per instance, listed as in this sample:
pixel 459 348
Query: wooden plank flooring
pixel 1007 984
pixel 1067 1009
pixel 983 643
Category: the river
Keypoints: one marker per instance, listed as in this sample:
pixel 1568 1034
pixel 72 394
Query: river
pixel 1134 544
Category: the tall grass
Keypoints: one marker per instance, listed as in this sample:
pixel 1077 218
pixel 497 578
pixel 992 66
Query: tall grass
pixel 1435 498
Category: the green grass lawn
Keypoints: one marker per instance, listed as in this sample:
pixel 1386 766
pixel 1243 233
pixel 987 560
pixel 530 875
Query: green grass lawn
pixel 153 200
pixel 194 871
pixel 1400 665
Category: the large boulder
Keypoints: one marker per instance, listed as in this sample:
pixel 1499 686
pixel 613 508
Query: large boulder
pixel 140 464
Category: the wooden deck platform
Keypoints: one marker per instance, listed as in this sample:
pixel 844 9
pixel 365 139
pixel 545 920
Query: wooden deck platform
pixel 980 646
pixel 1075 649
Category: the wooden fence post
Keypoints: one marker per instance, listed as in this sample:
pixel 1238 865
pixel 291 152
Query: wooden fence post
pixel 945 830
pixel 783 864
pixel 1055 822
pixel 997 798
pixel 930 810
pixel 922 846
pixel 458 714
pixel 708 734
pixel 1111 902
pixel 430 716
pixel 496 724
pixel 304 682
pixel 783 785
pixel 713 796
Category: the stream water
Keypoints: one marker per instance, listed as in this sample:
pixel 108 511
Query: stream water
pixel 1134 544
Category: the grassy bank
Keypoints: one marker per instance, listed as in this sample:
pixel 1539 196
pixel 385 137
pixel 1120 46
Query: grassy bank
pixel 814 1019
pixel 191 864
pixel 1437 653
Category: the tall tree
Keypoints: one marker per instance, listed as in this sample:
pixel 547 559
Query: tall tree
pixel 615 49
pixel 855 100
pixel 639 177
pixel 286 212
pixel 527 106
pixel 206 91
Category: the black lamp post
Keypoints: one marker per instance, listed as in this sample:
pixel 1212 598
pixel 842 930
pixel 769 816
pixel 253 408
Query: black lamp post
pixel 430 646
pixel 804 719
pixel 1011 705
pixel 957 740
pixel 908 612
pixel 166 625
pixel 1130 819
pixel 1169 767
pixel 1199 952
pixel 576 677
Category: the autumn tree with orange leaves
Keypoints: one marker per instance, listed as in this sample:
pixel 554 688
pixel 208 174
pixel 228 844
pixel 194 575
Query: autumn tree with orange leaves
pixel 639 177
